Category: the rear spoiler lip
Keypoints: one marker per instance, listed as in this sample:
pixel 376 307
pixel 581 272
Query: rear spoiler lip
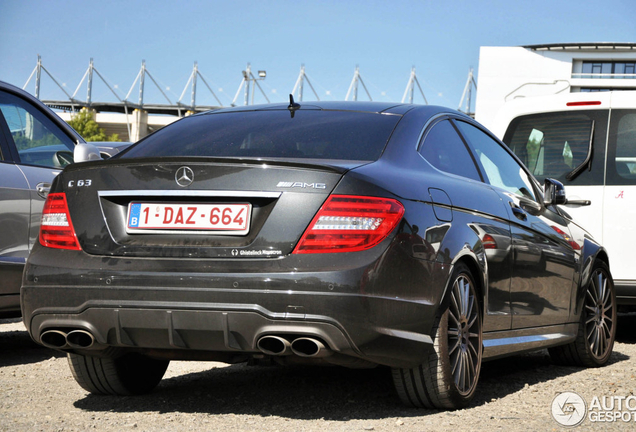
pixel 332 165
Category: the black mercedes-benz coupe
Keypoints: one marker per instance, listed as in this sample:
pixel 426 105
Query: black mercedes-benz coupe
pixel 355 234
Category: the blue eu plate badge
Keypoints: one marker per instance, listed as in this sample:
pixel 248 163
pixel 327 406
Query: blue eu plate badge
pixel 133 215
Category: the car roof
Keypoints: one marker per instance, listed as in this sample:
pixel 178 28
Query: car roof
pixel 18 91
pixel 353 106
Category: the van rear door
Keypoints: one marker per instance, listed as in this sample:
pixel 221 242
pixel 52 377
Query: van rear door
pixel 619 209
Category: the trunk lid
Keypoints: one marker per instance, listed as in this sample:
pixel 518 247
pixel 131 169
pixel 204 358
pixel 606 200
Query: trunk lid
pixel 280 198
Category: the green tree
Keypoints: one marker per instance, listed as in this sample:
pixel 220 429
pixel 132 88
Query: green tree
pixel 88 128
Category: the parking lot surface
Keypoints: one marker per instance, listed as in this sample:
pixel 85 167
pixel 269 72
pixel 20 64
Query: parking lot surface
pixel 38 393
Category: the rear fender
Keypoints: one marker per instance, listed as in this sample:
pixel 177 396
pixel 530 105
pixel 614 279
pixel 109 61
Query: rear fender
pixel 470 252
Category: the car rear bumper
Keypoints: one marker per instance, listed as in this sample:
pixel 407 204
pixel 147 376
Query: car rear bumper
pixel 226 327
pixel 351 310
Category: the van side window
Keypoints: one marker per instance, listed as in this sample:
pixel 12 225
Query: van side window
pixel 553 144
pixel 621 164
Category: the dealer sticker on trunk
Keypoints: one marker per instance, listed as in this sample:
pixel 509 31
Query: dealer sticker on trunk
pixel 220 219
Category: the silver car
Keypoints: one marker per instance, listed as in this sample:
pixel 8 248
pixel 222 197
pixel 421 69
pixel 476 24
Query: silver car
pixel 35 144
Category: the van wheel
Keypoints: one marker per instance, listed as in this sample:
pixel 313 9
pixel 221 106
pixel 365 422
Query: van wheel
pixel 597 327
pixel 130 374
pixel 448 377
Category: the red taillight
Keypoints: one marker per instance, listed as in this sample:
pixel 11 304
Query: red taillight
pixel 348 223
pixel 584 103
pixel 489 242
pixel 56 228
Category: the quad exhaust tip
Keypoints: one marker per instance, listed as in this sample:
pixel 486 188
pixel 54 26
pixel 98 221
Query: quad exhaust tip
pixel 57 339
pixel 274 345
pixel 80 339
pixel 309 347
pixel 301 346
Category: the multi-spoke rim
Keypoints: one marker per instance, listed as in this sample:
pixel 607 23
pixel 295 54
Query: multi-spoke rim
pixel 464 335
pixel 599 314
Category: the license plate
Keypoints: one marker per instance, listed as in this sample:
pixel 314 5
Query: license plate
pixel 223 219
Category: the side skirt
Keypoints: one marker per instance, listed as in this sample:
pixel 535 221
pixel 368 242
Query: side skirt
pixel 625 292
pixel 504 343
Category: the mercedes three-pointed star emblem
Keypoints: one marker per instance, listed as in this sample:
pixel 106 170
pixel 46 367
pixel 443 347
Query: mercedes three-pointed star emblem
pixel 184 176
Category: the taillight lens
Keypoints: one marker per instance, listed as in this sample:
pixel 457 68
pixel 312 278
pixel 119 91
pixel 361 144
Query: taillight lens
pixel 347 223
pixel 56 228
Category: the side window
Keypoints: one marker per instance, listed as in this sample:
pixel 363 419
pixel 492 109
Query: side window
pixel 444 149
pixel 553 144
pixel 499 167
pixel 37 139
pixel 621 161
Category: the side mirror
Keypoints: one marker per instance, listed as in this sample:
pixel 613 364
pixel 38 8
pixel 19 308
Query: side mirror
pixel 85 152
pixel 554 192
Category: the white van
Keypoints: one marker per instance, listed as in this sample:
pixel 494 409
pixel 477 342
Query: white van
pixel 588 142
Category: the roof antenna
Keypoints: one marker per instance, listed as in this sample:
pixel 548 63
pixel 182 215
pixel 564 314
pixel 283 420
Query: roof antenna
pixel 293 106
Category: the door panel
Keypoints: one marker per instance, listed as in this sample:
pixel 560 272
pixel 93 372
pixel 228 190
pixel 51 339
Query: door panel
pixel 619 203
pixel 15 203
pixel 543 265
pixel 619 230
pixel 543 260
pixel 495 238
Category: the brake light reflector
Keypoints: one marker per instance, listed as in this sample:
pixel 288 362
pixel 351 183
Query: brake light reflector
pixel 56 228
pixel 347 223
pixel 583 103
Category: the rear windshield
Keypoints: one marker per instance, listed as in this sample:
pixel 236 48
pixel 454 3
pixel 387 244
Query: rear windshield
pixel 311 134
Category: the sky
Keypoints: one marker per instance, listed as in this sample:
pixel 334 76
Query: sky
pixel 385 39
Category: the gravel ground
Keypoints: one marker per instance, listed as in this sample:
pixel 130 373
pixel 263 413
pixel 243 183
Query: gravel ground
pixel 38 393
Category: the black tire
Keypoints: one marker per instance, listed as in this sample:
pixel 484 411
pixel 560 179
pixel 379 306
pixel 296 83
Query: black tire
pixel 130 374
pixel 597 326
pixel 448 377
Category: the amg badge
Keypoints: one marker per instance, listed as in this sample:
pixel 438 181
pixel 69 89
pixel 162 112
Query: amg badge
pixel 284 184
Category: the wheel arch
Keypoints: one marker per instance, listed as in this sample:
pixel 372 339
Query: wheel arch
pixel 478 272
pixel 592 252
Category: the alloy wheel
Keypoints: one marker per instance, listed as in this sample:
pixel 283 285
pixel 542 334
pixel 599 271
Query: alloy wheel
pixel 600 314
pixel 464 339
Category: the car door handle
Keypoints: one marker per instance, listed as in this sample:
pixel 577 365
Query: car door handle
pixel 518 211
pixel 43 189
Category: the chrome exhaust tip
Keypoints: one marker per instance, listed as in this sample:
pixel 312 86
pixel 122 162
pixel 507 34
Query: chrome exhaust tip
pixel 55 339
pixel 80 339
pixel 309 347
pixel 274 345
